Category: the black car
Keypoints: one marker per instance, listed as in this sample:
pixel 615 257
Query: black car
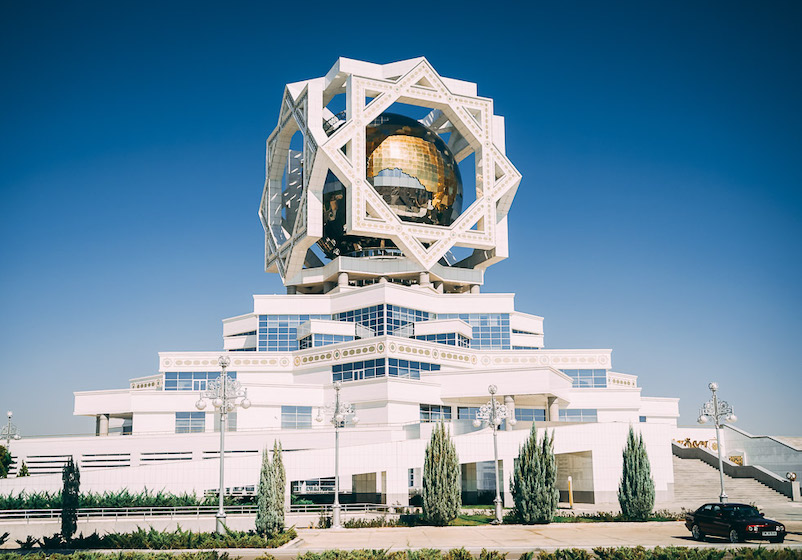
pixel 737 522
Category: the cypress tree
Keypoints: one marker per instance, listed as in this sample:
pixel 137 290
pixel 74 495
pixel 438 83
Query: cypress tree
pixel 270 495
pixel 71 478
pixel 534 483
pixel 636 490
pixel 23 471
pixel 263 495
pixel 5 461
pixel 441 478
pixel 279 485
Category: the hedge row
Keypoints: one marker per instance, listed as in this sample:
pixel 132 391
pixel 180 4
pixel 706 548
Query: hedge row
pixel 162 540
pixel 622 553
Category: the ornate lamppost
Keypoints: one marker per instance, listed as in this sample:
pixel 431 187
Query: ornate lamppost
pixel 9 432
pixel 223 392
pixel 719 412
pixel 341 412
pixel 492 414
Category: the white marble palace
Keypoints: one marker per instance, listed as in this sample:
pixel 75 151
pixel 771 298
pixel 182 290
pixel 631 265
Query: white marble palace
pixel 383 252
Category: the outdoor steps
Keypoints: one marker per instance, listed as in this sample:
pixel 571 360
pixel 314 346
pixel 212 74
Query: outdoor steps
pixel 696 482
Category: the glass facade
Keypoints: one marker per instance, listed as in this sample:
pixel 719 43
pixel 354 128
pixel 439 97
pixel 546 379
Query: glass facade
pixel 587 378
pixel 370 317
pixel 296 417
pixel 578 415
pixel 452 339
pixel 491 331
pixel 530 414
pixel 190 422
pixel 435 413
pixel 315 340
pixel 191 380
pixel 365 369
pixel 526 348
pixel 278 333
pixel 368 369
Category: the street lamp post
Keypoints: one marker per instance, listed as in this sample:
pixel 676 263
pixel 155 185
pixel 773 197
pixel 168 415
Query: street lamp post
pixel 492 414
pixel 719 412
pixel 341 411
pixel 223 392
pixel 9 432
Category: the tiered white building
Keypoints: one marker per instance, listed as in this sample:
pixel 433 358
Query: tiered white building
pixel 363 218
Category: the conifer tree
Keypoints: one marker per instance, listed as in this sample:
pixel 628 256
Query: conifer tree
pixel 441 478
pixel 270 495
pixel 23 471
pixel 534 483
pixel 71 478
pixel 636 490
pixel 263 494
pixel 5 461
pixel 280 485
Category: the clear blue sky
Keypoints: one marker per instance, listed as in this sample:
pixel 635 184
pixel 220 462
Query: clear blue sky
pixel 660 212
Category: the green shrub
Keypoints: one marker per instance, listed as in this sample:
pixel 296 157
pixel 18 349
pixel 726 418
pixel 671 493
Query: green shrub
pixel 562 554
pixel 761 553
pixel 492 555
pixel 424 554
pixel 458 554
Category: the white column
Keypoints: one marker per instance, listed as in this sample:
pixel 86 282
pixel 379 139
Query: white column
pixel 554 410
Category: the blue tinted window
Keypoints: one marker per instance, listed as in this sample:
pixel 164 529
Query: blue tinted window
pixel 277 333
pixel 191 380
pixel 296 417
pixel 435 413
pixel 491 331
pixel 530 414
pixel 190 422
pixel 587 378
pixel 578 415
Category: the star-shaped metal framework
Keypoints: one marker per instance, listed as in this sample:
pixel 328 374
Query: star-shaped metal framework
pixel 292 215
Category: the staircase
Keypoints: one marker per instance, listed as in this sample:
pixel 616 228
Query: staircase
pixel 696 483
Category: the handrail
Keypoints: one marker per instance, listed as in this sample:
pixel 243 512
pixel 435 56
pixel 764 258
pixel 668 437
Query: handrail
pixel 764 476
pixel 197 511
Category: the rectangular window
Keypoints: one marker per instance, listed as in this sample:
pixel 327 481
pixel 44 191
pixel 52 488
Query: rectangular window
pixel 587 378
pixel 491 331
pixel 191 380
pixel 411 477
pixel 190 422
pixel 467 412
pixel 435 413
pixel 641 419
pixel 530 414
pixel 277 333
pixel 578 415
pixel 296 417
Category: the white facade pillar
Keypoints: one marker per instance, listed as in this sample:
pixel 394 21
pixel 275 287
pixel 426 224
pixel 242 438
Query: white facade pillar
pixel 554 410
pixel 509 402
pixel 342 280
pixel 102 425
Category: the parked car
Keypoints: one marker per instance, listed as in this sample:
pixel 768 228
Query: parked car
pixel 737 522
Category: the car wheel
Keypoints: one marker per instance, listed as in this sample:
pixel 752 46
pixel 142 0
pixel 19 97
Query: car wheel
pixel 734 537
pixel 697 533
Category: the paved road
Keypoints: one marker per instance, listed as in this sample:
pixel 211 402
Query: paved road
pixel 514 539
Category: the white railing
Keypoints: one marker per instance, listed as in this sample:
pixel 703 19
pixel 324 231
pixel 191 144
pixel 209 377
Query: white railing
pixel 181 511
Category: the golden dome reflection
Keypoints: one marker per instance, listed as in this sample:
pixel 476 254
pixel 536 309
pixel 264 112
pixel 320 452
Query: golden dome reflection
pixel 413 170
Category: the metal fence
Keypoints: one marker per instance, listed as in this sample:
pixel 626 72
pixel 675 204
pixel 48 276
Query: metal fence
pixel 182 511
